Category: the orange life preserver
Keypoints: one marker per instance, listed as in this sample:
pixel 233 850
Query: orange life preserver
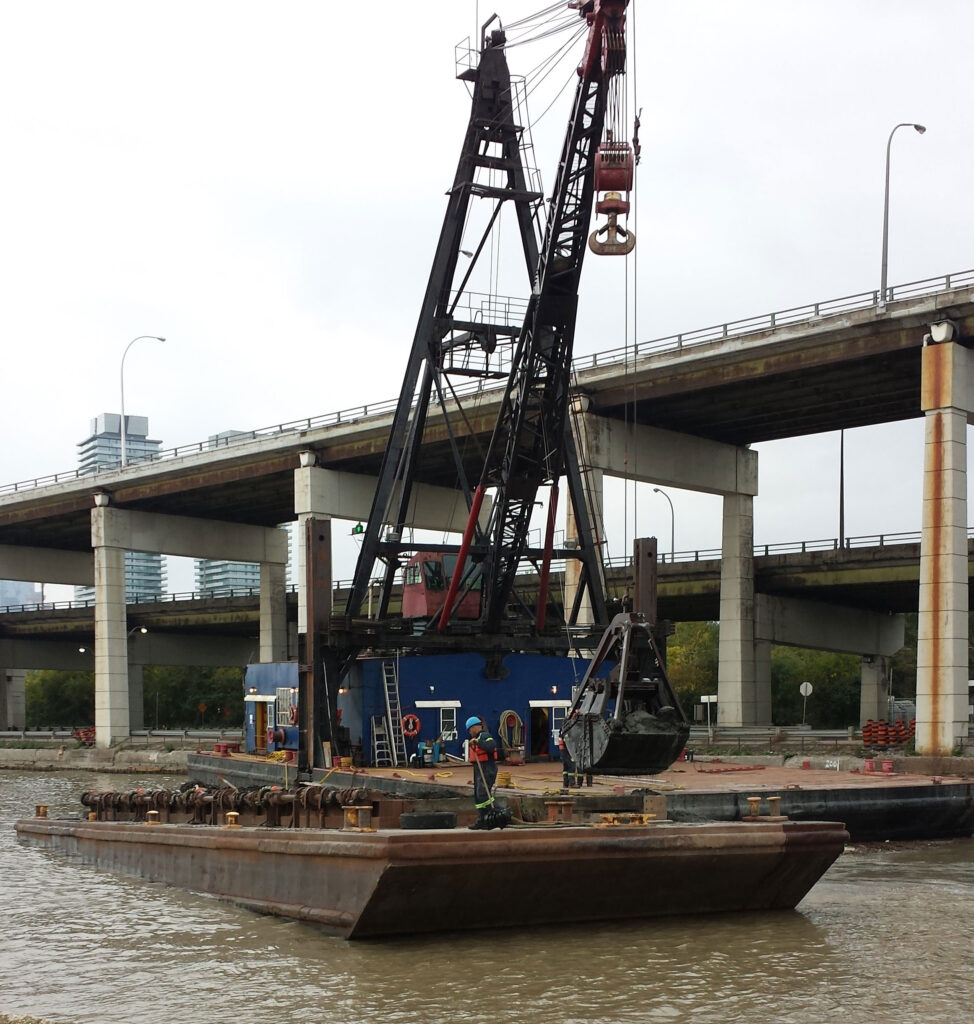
pixel 410 726
pixel 293 715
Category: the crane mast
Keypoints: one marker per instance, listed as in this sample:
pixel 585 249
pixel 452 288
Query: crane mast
pixel 531 438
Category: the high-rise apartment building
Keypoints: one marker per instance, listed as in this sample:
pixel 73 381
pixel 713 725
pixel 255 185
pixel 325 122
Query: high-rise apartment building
pixel 145 573
pixel 217 577
pixel 13 592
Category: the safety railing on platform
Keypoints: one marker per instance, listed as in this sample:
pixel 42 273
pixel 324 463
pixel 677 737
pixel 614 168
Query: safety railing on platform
pixel 672 342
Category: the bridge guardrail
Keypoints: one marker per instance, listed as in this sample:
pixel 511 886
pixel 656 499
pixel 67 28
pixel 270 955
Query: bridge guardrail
pixel 671 342
pixel 67 734
pixel 869 540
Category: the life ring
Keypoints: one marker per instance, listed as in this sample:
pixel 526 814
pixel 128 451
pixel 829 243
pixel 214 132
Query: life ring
pixel 293 715
pixel 410 726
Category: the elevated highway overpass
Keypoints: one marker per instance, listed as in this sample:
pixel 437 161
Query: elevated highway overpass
pixel 679 412
pixel 877 573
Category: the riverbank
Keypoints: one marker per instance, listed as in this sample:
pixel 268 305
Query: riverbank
pixel 67 757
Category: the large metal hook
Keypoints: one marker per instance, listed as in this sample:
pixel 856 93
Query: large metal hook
pixel 612 247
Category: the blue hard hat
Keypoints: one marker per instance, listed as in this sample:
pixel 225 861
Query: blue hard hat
pixel 472 721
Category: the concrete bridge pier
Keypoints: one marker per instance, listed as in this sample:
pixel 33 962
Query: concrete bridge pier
pixel 136 697
pixel 762 682
pixel 795 622
pixel 273 612
pixel 739 701
pixel 115 531
pixel 311 501
pixel 947 400
pixel 874 692
pixel 35 565
pixel 13 698
pixel 111 642
pixel 669 459
pixel 321 493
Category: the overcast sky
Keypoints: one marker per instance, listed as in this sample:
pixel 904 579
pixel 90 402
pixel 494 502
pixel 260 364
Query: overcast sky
pixel 264 185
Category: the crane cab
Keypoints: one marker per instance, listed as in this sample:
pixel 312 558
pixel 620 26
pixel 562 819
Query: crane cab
pixel 426 578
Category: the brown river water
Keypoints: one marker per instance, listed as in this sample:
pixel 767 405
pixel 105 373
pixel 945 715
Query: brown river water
pixel 887 935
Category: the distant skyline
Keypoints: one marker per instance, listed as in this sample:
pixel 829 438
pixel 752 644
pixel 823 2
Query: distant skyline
pixel 221 175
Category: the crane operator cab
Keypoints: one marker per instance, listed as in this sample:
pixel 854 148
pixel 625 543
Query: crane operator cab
pixel 628 722
pixel 426 579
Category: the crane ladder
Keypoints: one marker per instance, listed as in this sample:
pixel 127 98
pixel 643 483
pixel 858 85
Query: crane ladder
pixel 390 683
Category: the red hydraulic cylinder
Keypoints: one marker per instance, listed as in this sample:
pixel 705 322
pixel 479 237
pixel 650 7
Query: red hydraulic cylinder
pixel 546 559
pixel 451 594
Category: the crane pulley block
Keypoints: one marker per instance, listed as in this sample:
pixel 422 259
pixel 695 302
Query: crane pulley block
pixel 614 167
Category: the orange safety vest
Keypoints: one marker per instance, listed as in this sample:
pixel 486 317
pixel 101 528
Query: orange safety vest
pixel 477 753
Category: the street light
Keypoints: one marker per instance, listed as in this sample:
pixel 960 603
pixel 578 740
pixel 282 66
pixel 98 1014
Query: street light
pixel 152 337
pixel 656 490
pixel 920 129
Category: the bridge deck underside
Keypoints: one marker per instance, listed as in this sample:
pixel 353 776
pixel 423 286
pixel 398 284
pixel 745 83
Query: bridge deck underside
pixel 851 370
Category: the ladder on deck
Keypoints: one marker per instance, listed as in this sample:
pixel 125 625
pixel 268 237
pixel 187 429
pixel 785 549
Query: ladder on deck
pixel 390 682
pixel 381 748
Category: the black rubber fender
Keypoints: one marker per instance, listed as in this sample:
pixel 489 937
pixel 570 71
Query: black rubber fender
pixel 428 819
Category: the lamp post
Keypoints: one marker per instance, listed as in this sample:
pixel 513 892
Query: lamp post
pixel 153 337
pixel 920 129
pixel 656 490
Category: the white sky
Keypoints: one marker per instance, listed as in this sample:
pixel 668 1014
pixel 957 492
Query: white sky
pixel 263 185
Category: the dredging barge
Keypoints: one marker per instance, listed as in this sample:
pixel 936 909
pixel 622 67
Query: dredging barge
pixel 330 858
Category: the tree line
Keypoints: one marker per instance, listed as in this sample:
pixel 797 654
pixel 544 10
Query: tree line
pixel 173 697
pixel 691 655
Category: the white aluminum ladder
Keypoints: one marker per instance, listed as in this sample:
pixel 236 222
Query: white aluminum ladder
pixel 390 682
pixel 381 751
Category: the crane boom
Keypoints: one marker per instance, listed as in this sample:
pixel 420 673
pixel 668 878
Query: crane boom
pixel 528 445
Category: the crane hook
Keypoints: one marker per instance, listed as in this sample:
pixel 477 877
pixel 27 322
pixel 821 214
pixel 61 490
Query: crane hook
pixel 619 241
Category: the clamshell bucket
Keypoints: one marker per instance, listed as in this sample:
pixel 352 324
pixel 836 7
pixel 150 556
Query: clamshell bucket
pixel 628 722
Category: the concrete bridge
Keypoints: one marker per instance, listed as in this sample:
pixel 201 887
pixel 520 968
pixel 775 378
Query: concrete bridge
pixel 873 573
pixel 674 412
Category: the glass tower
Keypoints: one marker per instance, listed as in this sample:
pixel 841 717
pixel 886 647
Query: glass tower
pixel 145 573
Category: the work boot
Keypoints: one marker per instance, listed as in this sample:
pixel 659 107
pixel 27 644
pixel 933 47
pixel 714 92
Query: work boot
pixel 481 822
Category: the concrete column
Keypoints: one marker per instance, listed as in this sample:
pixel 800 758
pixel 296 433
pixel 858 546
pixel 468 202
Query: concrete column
pixel 593 484
pixel 942 623
pixel 942 645
pixel 273 612
pixel 736 677
pixel 136 698
pixel 13 699
pixel 310 502
pixel 111 647
pixel 762 681
pixel 874 694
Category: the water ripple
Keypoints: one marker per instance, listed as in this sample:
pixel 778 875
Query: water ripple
pixel 883 936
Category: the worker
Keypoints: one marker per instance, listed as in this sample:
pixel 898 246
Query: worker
pixel 482 752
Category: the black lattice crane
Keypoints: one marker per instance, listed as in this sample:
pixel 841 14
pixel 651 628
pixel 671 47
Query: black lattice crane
pixel 531 444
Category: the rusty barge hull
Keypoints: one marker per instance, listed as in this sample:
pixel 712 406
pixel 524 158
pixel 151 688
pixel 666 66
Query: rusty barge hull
pixel 398 882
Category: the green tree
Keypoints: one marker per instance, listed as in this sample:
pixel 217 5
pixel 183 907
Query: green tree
pixel 172 695
pixel 691 661
pixel 836 683
pixel 60 698
pixel 903 664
